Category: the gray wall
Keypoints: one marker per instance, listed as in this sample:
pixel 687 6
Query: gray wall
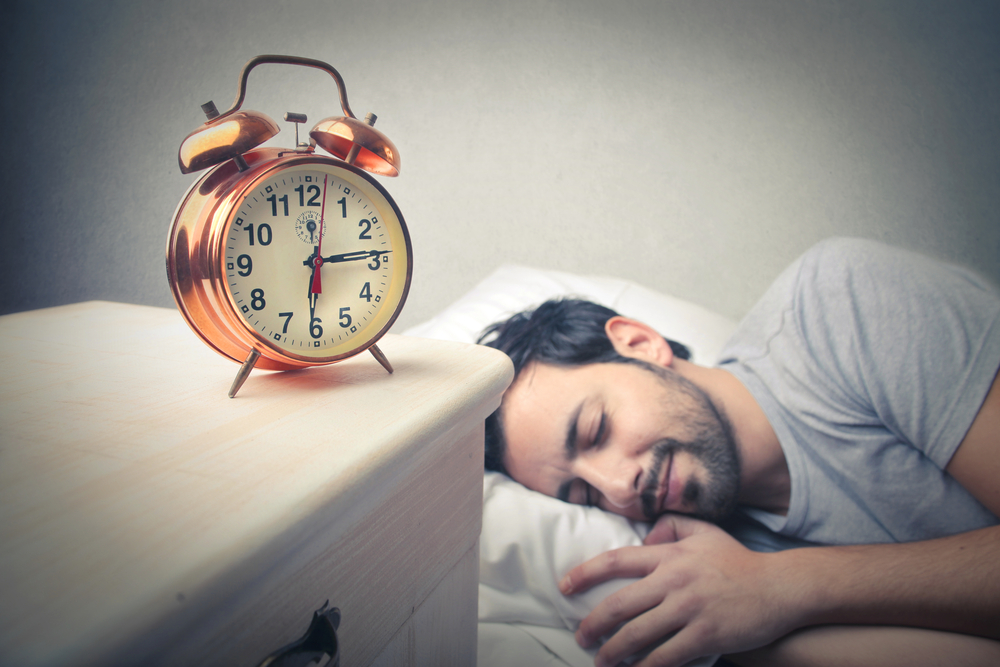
pixel 696 147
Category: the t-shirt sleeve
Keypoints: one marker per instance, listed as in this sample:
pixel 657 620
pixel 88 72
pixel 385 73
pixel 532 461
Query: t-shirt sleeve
pixel 909 341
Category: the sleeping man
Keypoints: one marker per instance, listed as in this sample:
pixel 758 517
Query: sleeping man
pixel 856 408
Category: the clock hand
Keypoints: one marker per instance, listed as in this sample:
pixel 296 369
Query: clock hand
pixel 317 285
pixel 313 298
pixel 315 260
pixel 354 256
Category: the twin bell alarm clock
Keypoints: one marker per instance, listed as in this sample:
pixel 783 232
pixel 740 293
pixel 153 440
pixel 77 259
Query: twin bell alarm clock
pixel 286 258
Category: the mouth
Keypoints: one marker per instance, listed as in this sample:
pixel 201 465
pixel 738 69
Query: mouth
pixel 663 488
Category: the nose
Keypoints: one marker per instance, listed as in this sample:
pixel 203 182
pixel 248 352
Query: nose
pixel 619 481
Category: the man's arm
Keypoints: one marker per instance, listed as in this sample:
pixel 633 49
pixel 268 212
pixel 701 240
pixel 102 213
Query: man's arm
pixel 976 462
pixel 851 646
pixel 718 596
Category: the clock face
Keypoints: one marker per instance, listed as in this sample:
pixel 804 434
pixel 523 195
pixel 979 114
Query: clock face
pixel 316 260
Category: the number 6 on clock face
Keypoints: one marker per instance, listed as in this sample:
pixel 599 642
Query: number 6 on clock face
pixel 315 217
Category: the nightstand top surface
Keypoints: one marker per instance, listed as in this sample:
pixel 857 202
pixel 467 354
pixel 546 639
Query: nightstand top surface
pixel 116 434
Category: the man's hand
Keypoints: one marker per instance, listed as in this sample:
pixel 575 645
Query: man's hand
pixel 705 593
pixel 698 584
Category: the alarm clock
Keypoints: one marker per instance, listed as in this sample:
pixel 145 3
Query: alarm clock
pixel 285 258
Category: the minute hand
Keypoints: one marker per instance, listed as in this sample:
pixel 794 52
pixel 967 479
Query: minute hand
pixel 354 256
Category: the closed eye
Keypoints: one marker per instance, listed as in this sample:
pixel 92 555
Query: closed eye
pixel 602 428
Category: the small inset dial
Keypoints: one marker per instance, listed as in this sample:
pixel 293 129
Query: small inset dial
pixel 307 227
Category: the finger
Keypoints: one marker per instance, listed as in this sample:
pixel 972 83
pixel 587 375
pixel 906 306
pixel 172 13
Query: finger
pixel 615 564
pixel 622 605
pixel 682 648
pixel 674 527
pixel 639 635
pixel 663 531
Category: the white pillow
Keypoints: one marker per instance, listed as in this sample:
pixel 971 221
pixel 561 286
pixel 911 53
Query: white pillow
pixel 529 542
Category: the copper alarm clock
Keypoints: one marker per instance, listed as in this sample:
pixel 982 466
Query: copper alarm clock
pixel 283 258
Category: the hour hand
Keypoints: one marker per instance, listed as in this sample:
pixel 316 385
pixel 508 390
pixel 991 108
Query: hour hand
pixel 313 298
pixel 315 261
pixel 354 256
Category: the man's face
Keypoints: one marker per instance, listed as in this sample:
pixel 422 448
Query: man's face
pixel 633 439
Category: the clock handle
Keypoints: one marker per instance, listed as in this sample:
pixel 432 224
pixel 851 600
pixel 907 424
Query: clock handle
pixel 285 60
pixel 244 372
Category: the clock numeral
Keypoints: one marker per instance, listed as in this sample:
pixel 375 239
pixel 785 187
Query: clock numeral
pixel 288 318
pixel 314 190
pixel 245 262
pixel 343 206
pixel 257 299
pixel 366 293
pixel 263 233
pixel 376 262
pixel 345 317
pixel 274 199
pixel 315 330
pixel 364 235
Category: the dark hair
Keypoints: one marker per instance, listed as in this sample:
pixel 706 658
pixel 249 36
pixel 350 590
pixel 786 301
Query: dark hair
pixel 560 332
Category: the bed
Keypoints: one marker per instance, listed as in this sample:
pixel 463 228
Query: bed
pixel 529 540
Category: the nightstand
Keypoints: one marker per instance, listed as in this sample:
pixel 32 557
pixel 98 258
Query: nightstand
pixel 147 518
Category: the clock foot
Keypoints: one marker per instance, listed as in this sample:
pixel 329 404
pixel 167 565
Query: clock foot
pixel 244 373
pixel 377 353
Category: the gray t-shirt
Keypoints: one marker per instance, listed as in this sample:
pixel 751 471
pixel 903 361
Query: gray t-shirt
pixel 870 363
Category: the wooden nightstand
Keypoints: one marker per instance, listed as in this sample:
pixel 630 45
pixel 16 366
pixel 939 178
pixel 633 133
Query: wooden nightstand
pixel 146 518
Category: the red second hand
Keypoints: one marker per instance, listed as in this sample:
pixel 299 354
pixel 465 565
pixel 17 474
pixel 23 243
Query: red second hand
pixel 317 284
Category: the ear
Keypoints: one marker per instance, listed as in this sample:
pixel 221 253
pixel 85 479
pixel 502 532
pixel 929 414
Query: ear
pixel 634 339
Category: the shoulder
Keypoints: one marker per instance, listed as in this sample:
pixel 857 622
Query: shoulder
pixel 891 293
pixel 846 292
pixel 870 266
pixel 842 282
pixel 844 264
